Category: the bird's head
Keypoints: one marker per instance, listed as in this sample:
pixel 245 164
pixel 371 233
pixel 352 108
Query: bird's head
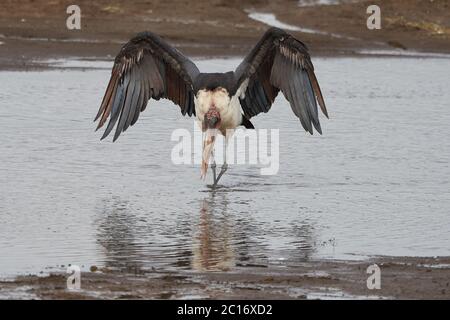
pixel 212 118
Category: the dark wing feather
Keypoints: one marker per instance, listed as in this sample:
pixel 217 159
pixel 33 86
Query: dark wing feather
pixel 280 62
pixel 146 67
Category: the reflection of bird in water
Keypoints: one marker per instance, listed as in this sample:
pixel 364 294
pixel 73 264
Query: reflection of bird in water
pixel 212 248
pixel 219 237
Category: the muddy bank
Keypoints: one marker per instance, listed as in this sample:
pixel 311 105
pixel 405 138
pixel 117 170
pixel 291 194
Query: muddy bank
pixel 401 278
pixel 36 29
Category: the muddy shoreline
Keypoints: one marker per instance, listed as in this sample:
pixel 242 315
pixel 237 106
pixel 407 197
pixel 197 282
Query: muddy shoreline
pixel 401 278
pixel 36 30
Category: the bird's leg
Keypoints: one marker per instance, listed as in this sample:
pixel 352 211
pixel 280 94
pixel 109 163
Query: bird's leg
pixel 224 167
pixel 213 167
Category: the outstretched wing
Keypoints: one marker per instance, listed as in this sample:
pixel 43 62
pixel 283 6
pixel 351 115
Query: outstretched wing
pixel 146 67
pixel 280 62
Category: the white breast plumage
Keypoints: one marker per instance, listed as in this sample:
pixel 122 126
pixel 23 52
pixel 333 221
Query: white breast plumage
pixel 229 109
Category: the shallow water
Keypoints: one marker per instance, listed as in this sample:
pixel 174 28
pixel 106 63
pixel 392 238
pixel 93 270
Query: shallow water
pixel 271 20
pixel 376 183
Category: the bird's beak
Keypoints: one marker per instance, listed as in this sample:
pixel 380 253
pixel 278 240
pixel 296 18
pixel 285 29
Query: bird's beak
pixel 208 146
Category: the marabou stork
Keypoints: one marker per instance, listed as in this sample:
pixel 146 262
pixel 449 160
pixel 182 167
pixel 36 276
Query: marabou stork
pixel 147 67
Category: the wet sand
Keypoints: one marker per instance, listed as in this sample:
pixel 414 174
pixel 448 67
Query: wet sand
pixel 401 278
pixel 34 30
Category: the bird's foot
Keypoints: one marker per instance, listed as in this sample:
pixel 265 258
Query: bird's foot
pixel 222 171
